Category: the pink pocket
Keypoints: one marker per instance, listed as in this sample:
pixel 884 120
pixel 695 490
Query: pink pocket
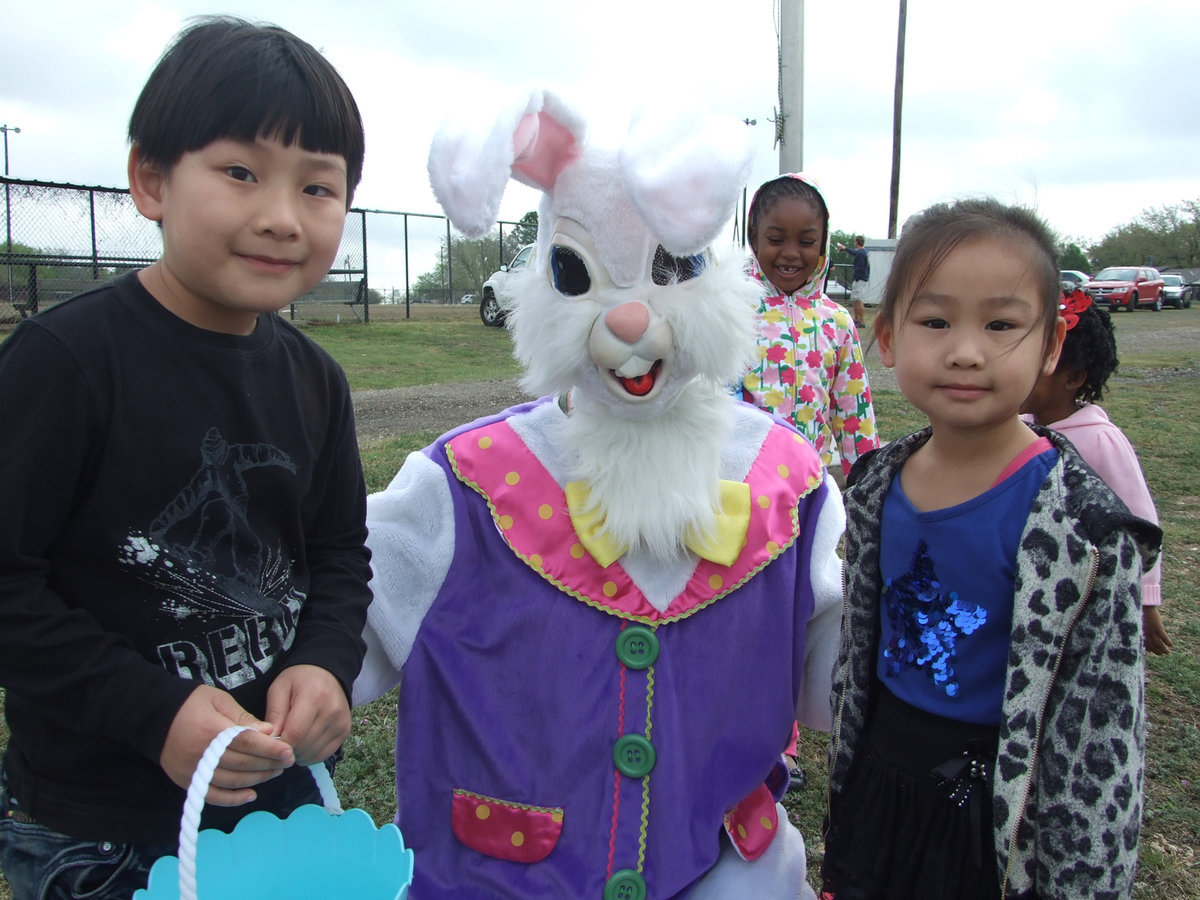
pixel 753 823
pixel 505 830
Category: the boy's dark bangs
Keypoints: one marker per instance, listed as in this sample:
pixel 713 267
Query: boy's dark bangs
pixel 289 100
pixel 293 112
pixel 226 79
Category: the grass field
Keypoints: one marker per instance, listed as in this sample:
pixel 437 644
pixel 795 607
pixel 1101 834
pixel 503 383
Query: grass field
pixel 438 344
pixel 1155 398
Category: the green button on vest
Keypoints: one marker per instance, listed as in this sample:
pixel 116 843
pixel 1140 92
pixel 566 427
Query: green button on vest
pixel 637 647
pixel 633 755
pixel 625 884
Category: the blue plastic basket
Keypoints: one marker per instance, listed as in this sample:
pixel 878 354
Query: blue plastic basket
pixel 316 853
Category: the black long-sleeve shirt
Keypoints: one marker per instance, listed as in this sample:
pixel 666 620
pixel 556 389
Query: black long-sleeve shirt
pixel 177 506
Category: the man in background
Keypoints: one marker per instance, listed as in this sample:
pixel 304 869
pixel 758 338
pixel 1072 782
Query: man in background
pixel 862 274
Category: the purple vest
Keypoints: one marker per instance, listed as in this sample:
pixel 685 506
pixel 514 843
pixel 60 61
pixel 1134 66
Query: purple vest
pixel 555 730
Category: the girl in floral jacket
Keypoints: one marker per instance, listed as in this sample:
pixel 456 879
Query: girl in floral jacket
pixel 810 367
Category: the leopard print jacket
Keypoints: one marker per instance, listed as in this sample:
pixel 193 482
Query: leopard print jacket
pixel 1067 793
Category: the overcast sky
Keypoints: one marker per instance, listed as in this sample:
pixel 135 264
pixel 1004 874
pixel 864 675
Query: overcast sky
pixel 1088 111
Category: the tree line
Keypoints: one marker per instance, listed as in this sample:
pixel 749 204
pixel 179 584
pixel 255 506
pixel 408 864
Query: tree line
pixel 1165 237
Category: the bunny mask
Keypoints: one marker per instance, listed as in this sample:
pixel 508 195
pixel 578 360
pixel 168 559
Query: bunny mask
pixel 625 303
pixel 626 310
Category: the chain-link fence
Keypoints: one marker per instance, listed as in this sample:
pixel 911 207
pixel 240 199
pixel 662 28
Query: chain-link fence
pixel 61 239
pixel 415 258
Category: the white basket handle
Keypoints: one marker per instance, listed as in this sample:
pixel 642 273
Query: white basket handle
pixel 193 805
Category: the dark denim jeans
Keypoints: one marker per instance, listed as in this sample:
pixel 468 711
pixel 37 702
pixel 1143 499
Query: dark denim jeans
pixel 41 864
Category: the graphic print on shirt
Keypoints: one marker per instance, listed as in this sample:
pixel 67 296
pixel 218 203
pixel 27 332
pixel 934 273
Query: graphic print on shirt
pixel 927 623
pixel 203 554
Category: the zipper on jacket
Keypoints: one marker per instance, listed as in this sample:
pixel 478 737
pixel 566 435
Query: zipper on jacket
pixel 1041 719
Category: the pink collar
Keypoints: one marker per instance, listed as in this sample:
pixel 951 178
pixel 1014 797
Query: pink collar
pixel 530 511
pixel 1037 448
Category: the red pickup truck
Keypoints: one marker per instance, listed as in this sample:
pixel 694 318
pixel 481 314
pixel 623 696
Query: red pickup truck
pixel 1128 287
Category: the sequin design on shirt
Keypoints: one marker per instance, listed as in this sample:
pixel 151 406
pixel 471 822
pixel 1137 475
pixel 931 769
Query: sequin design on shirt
pixel 927 623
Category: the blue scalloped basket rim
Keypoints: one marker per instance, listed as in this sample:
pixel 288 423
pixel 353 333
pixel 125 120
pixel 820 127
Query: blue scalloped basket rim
pixel 310 854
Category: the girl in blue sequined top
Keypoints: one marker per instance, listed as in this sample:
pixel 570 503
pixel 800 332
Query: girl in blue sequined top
pixel 992 596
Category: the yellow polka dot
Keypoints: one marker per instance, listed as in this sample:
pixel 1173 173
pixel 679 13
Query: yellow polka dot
pixel 482 811
pixel 784 471
pixel 484 443
pixel 557 816
pixel 511 478
pixel 545 511
pixel 536 561
pixel 610 589
pixel 772 547
pixel 517 839
pixel 506 522
pixel 765 823
pixel 577 551
pixel 742 832
pixel 764 501
pixel 715 581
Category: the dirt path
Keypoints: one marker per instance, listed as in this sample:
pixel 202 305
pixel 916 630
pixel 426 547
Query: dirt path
pixel 438 408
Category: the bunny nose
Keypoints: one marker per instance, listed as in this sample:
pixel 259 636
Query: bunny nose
pixel 628 321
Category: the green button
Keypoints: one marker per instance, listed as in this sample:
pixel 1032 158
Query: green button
pixel 625 884
pixel 637 647
pixel 633 755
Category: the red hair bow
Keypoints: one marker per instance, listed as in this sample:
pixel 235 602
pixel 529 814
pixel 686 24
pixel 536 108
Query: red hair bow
pixel 1073 304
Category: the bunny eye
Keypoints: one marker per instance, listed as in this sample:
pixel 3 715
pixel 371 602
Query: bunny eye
pixel 568 272
pixel 667 269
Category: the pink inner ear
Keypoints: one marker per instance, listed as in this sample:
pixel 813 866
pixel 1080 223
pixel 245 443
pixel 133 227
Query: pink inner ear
pixel 543 147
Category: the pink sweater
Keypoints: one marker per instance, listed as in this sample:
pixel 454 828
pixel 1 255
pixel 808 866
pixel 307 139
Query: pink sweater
pixel 1105 448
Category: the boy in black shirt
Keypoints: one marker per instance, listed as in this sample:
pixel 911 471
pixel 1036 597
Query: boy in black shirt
pixel 182 544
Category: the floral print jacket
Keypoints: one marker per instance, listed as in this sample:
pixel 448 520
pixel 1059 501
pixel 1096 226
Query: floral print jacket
pixel 810 371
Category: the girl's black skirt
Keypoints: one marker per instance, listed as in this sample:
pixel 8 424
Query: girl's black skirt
pixel 914 820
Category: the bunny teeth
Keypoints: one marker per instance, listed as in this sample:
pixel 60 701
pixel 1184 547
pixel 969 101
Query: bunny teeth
pixel 635 367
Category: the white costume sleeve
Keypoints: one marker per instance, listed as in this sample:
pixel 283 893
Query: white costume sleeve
pixel 781 873
pixel 824 628
pixel 411 535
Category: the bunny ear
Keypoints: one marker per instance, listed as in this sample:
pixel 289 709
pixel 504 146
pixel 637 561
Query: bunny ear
pixel 684 173
pixel 546 142
pixel 469 168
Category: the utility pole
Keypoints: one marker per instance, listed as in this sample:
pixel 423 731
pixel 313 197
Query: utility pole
pixel 790 128
pixel 897 103
pixel 6 128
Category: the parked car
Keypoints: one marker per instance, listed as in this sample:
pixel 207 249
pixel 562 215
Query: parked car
pixel 493 308
pixel 467 298
pixel 1175 292
pixel 1127 287
pixel 1073 280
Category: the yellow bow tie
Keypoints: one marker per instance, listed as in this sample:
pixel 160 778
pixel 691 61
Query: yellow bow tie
pixel 722 547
